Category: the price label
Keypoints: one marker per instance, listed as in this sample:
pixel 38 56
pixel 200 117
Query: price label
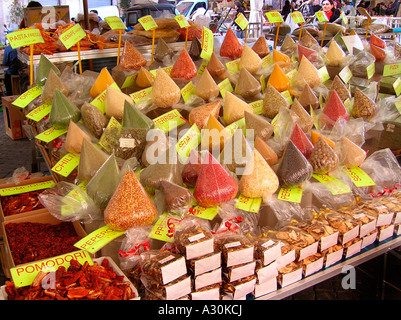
pixel 189 141
pixel 100 101
pixel 166 69
pixel 391 69
pixel 72 35
pixel 324 73
pixel 234 66
pixel 147 22
pixel 359 177
pixel 321 16
pixel 267 61
pixel 203 213
pixel 257 106
pixel 66 165
pixel 115 23
pixel 297 17
pixel 202 68
pixel 290 194
pixel 241 21
pixel 169 121
pixel 274 17
pixel 96 240
pixel 398 106
pixel 207 44
pixel 27 97
pixel 182 21
pixel 40 112
pixel 248 204
pixel 263 82
pixel 24 37
pixel 224 86
pixel 164 228
pixel 286 94
pixel 370 70
pixel 345 74
pixel 129 81
pixel 344 17
pixel 397 86
pixel 335 185
pixel 50 134
pixel 141 94
pixel 187 91
pixel 27 188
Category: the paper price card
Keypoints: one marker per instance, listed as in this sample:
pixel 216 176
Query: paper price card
pixel 370 70
pixel 297 17
pixel 96 240
pixel 274 17
pixel 72 35
pixel 291 194
pixel 267 61
pixel 391 69
pixel 202 212
pixel 207 44
pixel 321 16
pixel 141 94
pixel 27 97
pixel 286 94
pixel 257 106
pixel 24 275
pixel 50 134
pixel 182 21
pixel 189 141
pixel 115 23
pixel 27 188
pixel 129 81
pixel 324 73
pixel 344 17
pixel 166 69
pixel 397 86
pixel 24 37
pixel 164 228
pixel 147 22
pixel 187 91
pixel 234 66
pixel 169 121
pixel 345 74
pixel 333 184
pixel 398 106
pixel 359 177
pixel 241 21
pixel 40 112
pixel 224 86
pixel 248 204
pixel 66 164
pixel 202 68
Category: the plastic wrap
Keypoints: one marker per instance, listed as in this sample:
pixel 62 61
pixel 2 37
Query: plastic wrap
pixel 75 137
pixel 93 119
pixel 363 106
pixel 231 47
pixel 177 199
pixel 90 160
pixel 191 169
pixel 350 154
pixel 247 85
pixel 183 68
pixel 63 111
pixel 43 69
pixel 131 58
pixel 323 158
pixel 199 115
pixel 165 91
pixel 206 87
pixel 51 85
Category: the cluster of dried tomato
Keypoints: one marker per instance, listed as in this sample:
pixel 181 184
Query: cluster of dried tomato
pixel 20 203
pixel 78 282
pixel 30 241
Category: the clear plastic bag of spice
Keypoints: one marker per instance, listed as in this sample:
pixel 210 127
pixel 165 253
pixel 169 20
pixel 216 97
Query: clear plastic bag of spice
pixel 130 143
pixel 93 119
pixel 177 199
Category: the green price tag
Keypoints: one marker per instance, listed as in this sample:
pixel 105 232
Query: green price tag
pixel 359 177
pixel 141 94
pixel 182 21
pixel 398 106
pixel 169 121
pixel 40 112
pixel 189 141
pixel 224 86
pixel 397 86
pixel 72 35
pixel 96 240
pixel 204 213
pixel 286 94
pixel 348 105
pixel 164 227
pixel 267 61
pixel 241 21
pixel 234 66
pixel 50 134
pixel 207 44
pixel 27 188
pixel 187 91
pixel 291 194
pixel 324 73
pixel 100 101
pixel 391 69
pixel 248 204
pixel 202 67
pixel 335 186
pixel 115 23
pixel 370 70
pixel 263 82
pixel 147 22
pixel 239 124
pixel 24 37
pixel 274 17
pixel 297 17
pixel 321 16
pixel 23 275
pixel 166 69
pixel 257 106
pixel 345 74
pixel 344 17
pixel 66 164
pixel 27 97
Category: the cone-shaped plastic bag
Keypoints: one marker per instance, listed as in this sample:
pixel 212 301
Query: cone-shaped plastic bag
pixel 261 47
pixel 262 128
pixel 231 47
pixel 43 69
pixel 206 87
pixel 130 143
pixel 130 206
pixel 333 111
pixel 165 91
pixel 155 147
pixel 377 52
pixel 103 80
pixel 215 67
pixel 308 40
pixel 74 139
pixel 250 60
pixel 214 135
pixel 307 73
pixel 308 98
pixel 144 79
pixel 131 58
pixel 323 158
pixel 288 45
pixel 195 49
pixel 259 179
pixel 278 79
pixel 272 102
pixel 51 85
pixel 200 115
pixel 305 119
pixel 115 101
pixel 94 120
pixel 363 106
pixel 191 169
pixel 294 168
pixel 335 55
pixel 266 152
pixel 214 185
pixel 247 86
pixel 134 118
pixel 315 136
pixel 176 198
pixel 184 67
pixel 339 86
pixel 350 154
pixel 162 50
pixel 310 54
pixel 103 184
pixel 281 58
pixel 234 108
pixel 63 111
pixel 301 141
pixel 90 160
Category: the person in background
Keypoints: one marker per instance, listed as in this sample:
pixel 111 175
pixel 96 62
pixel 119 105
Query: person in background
pixel 391 10
pixel 306 8
pixel 287 9
pixel 237 30
pixel 10 60
pixel 31 4
pixel 331 13
pixel 316 6
pixel 96 12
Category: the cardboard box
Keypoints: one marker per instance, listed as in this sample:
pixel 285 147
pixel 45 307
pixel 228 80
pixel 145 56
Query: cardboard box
pixel 43 217
pixel 47 14
pixel 21 184
pixel 13 118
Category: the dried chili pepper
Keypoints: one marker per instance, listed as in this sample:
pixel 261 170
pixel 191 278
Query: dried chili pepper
pixel 20 203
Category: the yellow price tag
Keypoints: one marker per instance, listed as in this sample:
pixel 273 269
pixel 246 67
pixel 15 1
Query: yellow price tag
pixel 370 70
pixel 96 240
pixel 224 86
pixel 290 194
pixel 187 91
pixel 234 66
pixel 397 86
pixel 40 112
pixel 147 22
pixel 274 17
pixel 72 35
pixel 334 185
pixel 297 17
pixel 207 48
pixel 241 21
pixel 257 106
pixel 321 16
pixel 24 37
pixel 391 69
pixel 50 134
pixel 189 141
pixel 324 73
pixel 345 74
pixel 248 204
pixel 66 164
pixel 182 21
pixel 27 97
pixel 27 188
pixel 141 94
pixel 100 101
pixel 169 121
pixel 164 227
pixel 359 177
pixel 115 23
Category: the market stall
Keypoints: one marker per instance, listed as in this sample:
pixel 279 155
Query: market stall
pixel 207 168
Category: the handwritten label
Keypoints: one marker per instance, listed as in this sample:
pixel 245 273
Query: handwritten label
pixel 24 37
pixel 115 23
pixel 182 21
pixel 274 17
pixel 391 69
pixel 324 74
pixel 224 86
pixel 234 66
pixel 166 69
pixel 297 17
pixel 96 240
pixel 50 134
pixel 370 70
pixel 72 35
pixel 267 61
pixel 290 194
pixel 66 164
pixel 27 97
pixel 203 213
pixel 40 112
pixel 189 141
pixel 24 275
pixel 141 95
pixel 241 21
pixel 345 74
pixel 321 16
pixel 202 67
pixel 100 101
pixel 147 22
pixel 257 106
pixel 169 121
pixel 359 177
pixel 164 227
pixel 27 188
pixel 187 91
pixel 207 44
pixel 248 204
pixel 335 185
